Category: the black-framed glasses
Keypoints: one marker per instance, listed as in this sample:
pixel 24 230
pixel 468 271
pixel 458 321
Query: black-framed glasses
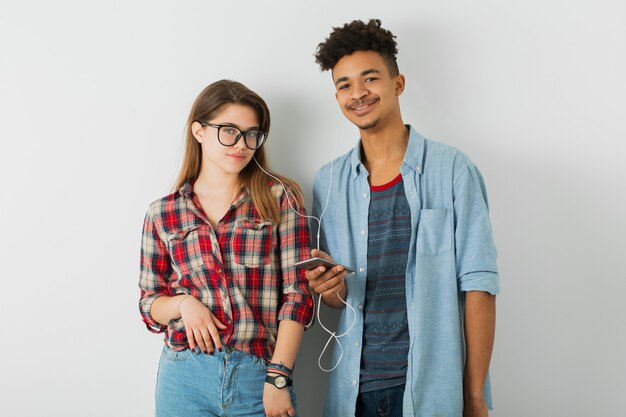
pixel 229 135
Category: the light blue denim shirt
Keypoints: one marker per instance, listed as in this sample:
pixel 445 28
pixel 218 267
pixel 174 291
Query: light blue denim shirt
pixel 451 251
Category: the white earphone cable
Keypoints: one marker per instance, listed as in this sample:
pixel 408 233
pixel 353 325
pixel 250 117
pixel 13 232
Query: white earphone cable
pixel 333 335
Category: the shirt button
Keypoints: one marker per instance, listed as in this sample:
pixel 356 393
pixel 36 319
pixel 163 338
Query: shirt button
pixel 357 344
pixel 354 382
pixel 361 269
pixel 364 195
pixel 360 306
pixel 362 232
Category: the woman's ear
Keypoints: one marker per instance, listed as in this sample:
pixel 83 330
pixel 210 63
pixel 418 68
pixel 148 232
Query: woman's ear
pixel 198 131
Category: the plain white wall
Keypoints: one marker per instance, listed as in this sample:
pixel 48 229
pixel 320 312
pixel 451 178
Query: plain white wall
pixel 93 99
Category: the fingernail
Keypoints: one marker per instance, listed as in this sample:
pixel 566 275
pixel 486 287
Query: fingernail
pixel 211 352
pixel 219 348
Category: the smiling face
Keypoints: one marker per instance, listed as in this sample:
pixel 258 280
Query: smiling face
pixel 365 91
pixel 226 160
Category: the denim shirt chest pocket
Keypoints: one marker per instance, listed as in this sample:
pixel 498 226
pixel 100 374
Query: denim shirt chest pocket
pixel 252 242
pixel 434 231
pixel 185 251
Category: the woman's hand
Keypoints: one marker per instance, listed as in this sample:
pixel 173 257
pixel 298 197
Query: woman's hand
pixel 201 325
pixel 277 402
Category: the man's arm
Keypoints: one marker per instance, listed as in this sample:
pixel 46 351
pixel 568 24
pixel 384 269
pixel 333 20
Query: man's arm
pixel 329 283
pixel 480 325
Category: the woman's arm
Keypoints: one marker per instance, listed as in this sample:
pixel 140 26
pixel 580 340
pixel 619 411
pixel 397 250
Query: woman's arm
pixel 277 401
pixel 296 310
pixel 287 343
pixel 201 325
pixel 165 309
pixel 155 271
pixel 158 308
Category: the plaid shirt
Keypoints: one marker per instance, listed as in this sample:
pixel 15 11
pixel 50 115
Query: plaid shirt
pixel 243 271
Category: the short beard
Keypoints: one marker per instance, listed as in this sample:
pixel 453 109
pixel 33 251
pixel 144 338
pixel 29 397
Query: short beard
pixel 370 125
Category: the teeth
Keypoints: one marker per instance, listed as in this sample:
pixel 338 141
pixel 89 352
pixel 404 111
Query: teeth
pixel 361 107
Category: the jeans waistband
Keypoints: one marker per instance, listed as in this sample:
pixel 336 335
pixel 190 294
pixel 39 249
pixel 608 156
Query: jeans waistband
pixel 230 354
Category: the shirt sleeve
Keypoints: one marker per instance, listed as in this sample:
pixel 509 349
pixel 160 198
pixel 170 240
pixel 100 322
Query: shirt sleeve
pixel 294 241
pixel 476 266
pixel 155 270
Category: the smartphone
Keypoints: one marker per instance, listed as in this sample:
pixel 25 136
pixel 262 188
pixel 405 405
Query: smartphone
pixel 313 263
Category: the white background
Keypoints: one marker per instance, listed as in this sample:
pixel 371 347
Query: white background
pixel 93 100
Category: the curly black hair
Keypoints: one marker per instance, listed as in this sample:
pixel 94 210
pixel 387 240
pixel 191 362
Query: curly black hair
pixel 358 36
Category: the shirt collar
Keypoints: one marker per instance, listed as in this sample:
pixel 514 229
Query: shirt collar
pixel 355 160
pixel 186 190
pixel 413 157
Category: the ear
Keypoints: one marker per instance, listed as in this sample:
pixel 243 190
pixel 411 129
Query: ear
pixel 399 83
pixel 332 74
pixel 198 131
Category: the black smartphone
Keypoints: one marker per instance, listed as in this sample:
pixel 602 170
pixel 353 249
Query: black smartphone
pixel 313 263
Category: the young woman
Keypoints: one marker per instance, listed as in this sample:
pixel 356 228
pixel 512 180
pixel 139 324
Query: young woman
pixel 217 271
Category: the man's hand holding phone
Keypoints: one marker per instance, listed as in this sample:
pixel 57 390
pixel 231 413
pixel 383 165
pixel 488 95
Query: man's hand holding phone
pixel 328 281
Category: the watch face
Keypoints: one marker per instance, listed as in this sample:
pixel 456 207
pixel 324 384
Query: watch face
pixel 280 382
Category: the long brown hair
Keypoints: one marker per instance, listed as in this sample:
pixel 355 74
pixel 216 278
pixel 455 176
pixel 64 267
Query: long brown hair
pixel 208 104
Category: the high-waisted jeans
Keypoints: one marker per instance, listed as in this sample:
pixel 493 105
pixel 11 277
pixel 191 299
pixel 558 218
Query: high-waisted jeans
pixel 227 384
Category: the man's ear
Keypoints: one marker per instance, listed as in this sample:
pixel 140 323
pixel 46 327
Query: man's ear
pixel 198 131
pixel 400 83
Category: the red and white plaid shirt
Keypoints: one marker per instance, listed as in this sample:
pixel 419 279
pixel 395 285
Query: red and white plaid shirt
pixel 243 271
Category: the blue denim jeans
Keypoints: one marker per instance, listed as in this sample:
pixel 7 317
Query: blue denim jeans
pixel 386 402
pixel 226 384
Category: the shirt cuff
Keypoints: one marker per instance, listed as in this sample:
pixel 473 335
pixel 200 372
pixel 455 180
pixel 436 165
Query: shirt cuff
pixel 480 281
pixel 145 304
pixel 298 308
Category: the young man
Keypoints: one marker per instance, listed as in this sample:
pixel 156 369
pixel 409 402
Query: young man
pixel 410 216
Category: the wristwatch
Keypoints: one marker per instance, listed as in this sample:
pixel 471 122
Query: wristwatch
pixel 280 381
